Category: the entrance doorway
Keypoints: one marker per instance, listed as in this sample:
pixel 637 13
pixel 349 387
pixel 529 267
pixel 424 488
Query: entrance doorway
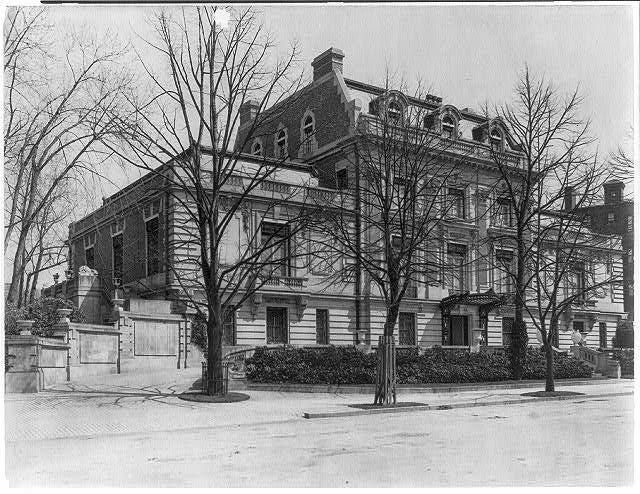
pixel 458 330
pixel 277 327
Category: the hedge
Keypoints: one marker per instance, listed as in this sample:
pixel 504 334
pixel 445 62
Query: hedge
pixel 347 365
pixel 44 313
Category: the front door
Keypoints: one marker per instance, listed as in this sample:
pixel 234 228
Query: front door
pixel 277 325
pixel 458 331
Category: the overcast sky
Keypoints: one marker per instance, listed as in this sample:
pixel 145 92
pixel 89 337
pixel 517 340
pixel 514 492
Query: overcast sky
pixel 468 54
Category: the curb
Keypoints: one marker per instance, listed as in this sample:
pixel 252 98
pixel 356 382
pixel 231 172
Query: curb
pixel 409 388
pixel 451 406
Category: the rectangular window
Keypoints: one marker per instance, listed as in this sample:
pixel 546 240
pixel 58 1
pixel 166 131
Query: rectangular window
pixel 629 223
pixel 153 254
pixel 455 270
pixel 322 326
pixel 507 331
pixel 578 326
pixel 277 330
pixel 275 242
pixel 504 213
pixel 504 271
pixel 89 259
pixel 342 179
pixel 229 327
pixel 577 280
pixel 603 334
pixel 407 328
pixel 116 246
pixel 456 203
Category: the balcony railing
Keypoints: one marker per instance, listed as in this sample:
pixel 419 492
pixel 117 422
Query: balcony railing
pixel 279 187
pixel 372 125
pixel 285 282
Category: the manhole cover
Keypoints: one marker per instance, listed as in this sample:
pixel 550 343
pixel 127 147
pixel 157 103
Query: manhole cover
pixel 369 406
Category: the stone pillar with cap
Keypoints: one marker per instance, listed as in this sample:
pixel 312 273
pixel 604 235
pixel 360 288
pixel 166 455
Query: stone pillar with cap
pixel 25 326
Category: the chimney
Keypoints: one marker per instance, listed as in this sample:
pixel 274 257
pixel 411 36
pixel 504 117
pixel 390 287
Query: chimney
pixel 248 111
pixel 327 62
pixel 613 191
pixel 568 199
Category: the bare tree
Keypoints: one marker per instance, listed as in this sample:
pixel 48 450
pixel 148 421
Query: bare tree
pixel 570 264
pixel 56 118
pixel 191 125
pixel 547 129
pixel 390 210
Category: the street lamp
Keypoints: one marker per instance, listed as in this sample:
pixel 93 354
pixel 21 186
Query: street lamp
pixel 56 276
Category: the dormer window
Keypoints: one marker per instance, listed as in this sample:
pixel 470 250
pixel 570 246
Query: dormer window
pixel 448 127
pixel 496 139
pixel 281 144
pixel 394 113
pixel 308 128
pixel 256 149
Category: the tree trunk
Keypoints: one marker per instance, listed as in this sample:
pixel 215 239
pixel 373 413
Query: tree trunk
pixel 386 372
pixel 519 336
pixel 13 294
pixel 215 375
pixel 548 356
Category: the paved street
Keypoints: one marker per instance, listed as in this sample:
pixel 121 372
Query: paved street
pixel 116 432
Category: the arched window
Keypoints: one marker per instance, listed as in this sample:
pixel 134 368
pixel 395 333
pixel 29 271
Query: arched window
pixel 448 127
pixel 307 126
pixel 256 149
pixel 394 113
pixel 496 139
pixel 281 144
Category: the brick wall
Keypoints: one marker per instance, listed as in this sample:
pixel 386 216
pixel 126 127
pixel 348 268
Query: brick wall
pixel 327 102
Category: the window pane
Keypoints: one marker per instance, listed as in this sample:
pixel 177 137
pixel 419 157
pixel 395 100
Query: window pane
pixel 153 255
pixel 229 327
pixel 342 180
pixel 322 326
pixel 88 258
pixel 275 240
pixel 117 256
pixel 407 329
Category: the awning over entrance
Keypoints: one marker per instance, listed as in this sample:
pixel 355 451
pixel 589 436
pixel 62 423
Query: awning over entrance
pixel 486 301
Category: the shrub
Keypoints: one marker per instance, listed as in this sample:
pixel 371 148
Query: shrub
pixel 347 365
pixel 564 366
pixel 44 313
pixel 199 331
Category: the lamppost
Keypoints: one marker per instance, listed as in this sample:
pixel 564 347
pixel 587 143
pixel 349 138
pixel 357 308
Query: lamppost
pixel 56 277
pixel 68 275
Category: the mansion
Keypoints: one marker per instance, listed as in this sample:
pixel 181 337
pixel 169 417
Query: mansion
pixel 131 238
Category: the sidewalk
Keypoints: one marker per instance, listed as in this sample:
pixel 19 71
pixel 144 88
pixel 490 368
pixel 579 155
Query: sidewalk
pixel 428 400
pixel 143 404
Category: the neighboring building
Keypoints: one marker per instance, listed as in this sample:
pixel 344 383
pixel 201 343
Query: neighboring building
pixel 615 217
pixel 130 238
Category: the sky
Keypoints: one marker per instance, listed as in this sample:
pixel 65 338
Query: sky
pixel 467 54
